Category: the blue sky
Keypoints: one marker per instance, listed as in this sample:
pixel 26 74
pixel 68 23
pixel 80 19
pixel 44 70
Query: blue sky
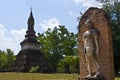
pixel 47 14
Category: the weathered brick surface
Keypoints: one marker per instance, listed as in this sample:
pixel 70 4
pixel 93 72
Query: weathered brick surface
pixel 105 60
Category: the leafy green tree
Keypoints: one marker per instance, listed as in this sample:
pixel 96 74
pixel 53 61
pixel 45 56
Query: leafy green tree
pixel 74 64
pixel 70 64
pixel 10 57
pixel 113 11
pixel 34 70
pixel 56 43
pixel 6 59
pixel 3 60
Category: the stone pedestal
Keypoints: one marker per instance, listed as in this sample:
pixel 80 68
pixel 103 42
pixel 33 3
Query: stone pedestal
pixel 97 78
pixel 100 21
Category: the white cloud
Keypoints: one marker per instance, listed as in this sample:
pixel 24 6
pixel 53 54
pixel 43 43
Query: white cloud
pixel 2 31
pixel 11 39
pixel 18 34
pixel 51 23
pixel 4 40
pixel 87 3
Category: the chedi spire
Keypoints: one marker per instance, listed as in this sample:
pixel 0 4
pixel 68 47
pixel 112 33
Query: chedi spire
pixel 30 33
pixel 31 20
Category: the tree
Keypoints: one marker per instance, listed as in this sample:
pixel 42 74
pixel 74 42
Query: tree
pixel 69 64
pixel 34 70
pixel 6 59
pixel 113 10
pixel 10 57
pixel 3 60
pixel 56 43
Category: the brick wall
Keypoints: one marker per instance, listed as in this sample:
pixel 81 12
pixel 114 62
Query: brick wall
pixel 105 60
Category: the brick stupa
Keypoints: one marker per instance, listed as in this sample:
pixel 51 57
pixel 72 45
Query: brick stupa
pixel 29 55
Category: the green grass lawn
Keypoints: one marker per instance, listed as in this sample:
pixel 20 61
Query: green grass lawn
pixel 37 76
pixel 117 78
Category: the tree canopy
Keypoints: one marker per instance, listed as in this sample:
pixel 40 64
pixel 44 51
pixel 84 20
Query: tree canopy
pixel 57 43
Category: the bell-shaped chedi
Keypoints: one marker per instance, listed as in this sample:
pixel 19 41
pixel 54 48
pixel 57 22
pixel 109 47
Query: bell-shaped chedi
pixel 30 54
pixel 30 41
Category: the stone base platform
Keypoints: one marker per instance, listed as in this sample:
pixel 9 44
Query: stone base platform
pixel 97 78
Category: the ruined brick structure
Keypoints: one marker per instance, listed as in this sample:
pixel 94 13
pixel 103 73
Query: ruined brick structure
pixel 105 60
pixel 29 54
